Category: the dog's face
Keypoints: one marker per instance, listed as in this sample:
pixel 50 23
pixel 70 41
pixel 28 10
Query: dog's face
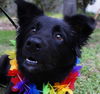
pixel 46 44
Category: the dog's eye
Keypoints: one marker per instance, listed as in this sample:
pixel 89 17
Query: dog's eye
pixel 36 27
pixel 59 37
pixel 34 30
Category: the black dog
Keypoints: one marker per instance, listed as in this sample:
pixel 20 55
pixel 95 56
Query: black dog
pixel 47 48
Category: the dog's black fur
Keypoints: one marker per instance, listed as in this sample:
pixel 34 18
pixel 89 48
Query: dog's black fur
pixel 53 43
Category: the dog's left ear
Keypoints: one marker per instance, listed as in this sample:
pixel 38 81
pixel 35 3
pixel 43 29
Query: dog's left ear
pixel 27 11
pixel 82 27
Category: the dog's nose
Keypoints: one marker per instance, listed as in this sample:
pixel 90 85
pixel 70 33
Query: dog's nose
pixel 34 44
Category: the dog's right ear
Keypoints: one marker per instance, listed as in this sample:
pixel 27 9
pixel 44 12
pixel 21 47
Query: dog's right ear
pixel 26 12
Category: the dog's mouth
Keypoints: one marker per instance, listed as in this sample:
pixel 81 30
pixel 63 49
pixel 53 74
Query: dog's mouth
pixel 31 61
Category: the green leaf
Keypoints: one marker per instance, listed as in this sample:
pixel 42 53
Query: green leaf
pixel 13 42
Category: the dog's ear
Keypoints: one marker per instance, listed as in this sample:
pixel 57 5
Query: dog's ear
pixel 27 11
pixel 82 27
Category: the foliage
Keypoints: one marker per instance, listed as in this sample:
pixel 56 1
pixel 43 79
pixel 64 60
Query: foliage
pixel 48 5
pixel 13 43
pixel 2 3
pixel 9 6
pixel 83 3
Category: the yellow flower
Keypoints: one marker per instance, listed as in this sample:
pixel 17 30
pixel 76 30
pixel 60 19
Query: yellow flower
pixel 13 64
pixel 62 89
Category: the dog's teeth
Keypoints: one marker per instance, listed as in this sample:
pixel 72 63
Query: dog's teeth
pixel 28 60
pixel 35 62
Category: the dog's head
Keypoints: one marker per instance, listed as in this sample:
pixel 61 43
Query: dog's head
pixel 46 44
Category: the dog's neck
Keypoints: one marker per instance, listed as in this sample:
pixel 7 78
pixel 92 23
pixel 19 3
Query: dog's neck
pixel 67 83
pixel 67 77
pixel 51 77
pixel 56 75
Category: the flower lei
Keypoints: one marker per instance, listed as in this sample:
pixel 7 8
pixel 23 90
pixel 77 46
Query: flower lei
pixel 20 83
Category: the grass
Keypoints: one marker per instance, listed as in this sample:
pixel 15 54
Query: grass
pixel 89 81
pixel 5 37
pixel 55 15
